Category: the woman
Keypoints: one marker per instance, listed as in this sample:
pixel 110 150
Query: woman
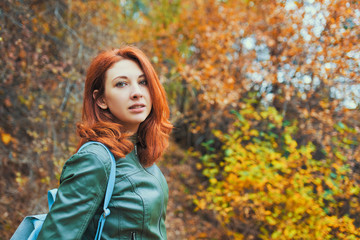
pixel 125 108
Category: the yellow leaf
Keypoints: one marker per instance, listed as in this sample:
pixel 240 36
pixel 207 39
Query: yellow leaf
pixel 6 138
pixel 254 132
pixel 213 180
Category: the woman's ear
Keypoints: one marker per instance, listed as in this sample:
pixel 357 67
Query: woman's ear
pixel 100 101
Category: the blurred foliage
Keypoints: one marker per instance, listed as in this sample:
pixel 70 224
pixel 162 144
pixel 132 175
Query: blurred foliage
pixel 264 185
pixel 296 61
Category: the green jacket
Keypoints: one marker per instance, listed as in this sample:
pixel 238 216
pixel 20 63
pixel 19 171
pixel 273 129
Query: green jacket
pixel 137 207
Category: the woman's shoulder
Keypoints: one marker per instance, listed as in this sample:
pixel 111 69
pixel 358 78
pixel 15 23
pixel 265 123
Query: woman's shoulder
pixel 91 158
pixel 97 150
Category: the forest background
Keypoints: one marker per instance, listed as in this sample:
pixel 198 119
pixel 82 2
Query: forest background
pixel 264 96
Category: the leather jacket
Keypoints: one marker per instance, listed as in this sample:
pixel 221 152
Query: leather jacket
pixel 137 206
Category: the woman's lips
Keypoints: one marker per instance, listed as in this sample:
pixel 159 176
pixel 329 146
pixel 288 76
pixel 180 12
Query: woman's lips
pixel 137 108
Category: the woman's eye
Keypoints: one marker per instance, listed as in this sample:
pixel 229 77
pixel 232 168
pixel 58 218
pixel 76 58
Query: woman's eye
pixel 120 84
pixel 143 82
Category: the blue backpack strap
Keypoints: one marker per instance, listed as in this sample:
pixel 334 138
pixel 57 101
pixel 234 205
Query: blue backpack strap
pixel 109 189
pixel 51 197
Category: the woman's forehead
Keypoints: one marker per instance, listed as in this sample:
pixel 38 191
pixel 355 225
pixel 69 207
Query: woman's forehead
pixel 124 69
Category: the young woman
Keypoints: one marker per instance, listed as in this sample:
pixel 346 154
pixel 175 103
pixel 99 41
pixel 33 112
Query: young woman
pixel 125 108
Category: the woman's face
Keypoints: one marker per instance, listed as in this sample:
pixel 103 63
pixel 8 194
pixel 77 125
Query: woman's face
pixel 126 94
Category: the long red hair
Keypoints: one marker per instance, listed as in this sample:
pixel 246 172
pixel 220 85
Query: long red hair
pixel 100 125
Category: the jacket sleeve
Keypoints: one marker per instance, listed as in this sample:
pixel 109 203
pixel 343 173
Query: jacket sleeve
pixel 81 191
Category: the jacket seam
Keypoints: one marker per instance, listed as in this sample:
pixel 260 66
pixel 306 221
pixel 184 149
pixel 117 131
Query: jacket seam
pixel 162 201
pixel 128 175
pixel 143 203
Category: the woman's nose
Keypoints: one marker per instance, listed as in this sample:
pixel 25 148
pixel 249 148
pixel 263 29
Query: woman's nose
pixel 136 92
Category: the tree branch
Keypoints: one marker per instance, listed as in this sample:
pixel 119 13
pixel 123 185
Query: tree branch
pixel 67 27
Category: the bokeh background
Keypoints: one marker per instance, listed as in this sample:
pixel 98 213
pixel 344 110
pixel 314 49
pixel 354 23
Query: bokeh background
pixel 264 96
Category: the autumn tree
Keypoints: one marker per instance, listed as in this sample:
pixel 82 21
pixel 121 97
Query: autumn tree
pixel 266 186
pixel 299 57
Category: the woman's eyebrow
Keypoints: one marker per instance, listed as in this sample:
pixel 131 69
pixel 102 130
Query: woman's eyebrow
pixel 121 77
pixel 126 77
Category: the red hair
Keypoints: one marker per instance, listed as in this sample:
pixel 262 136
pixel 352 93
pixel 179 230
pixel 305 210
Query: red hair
pixel 100 125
